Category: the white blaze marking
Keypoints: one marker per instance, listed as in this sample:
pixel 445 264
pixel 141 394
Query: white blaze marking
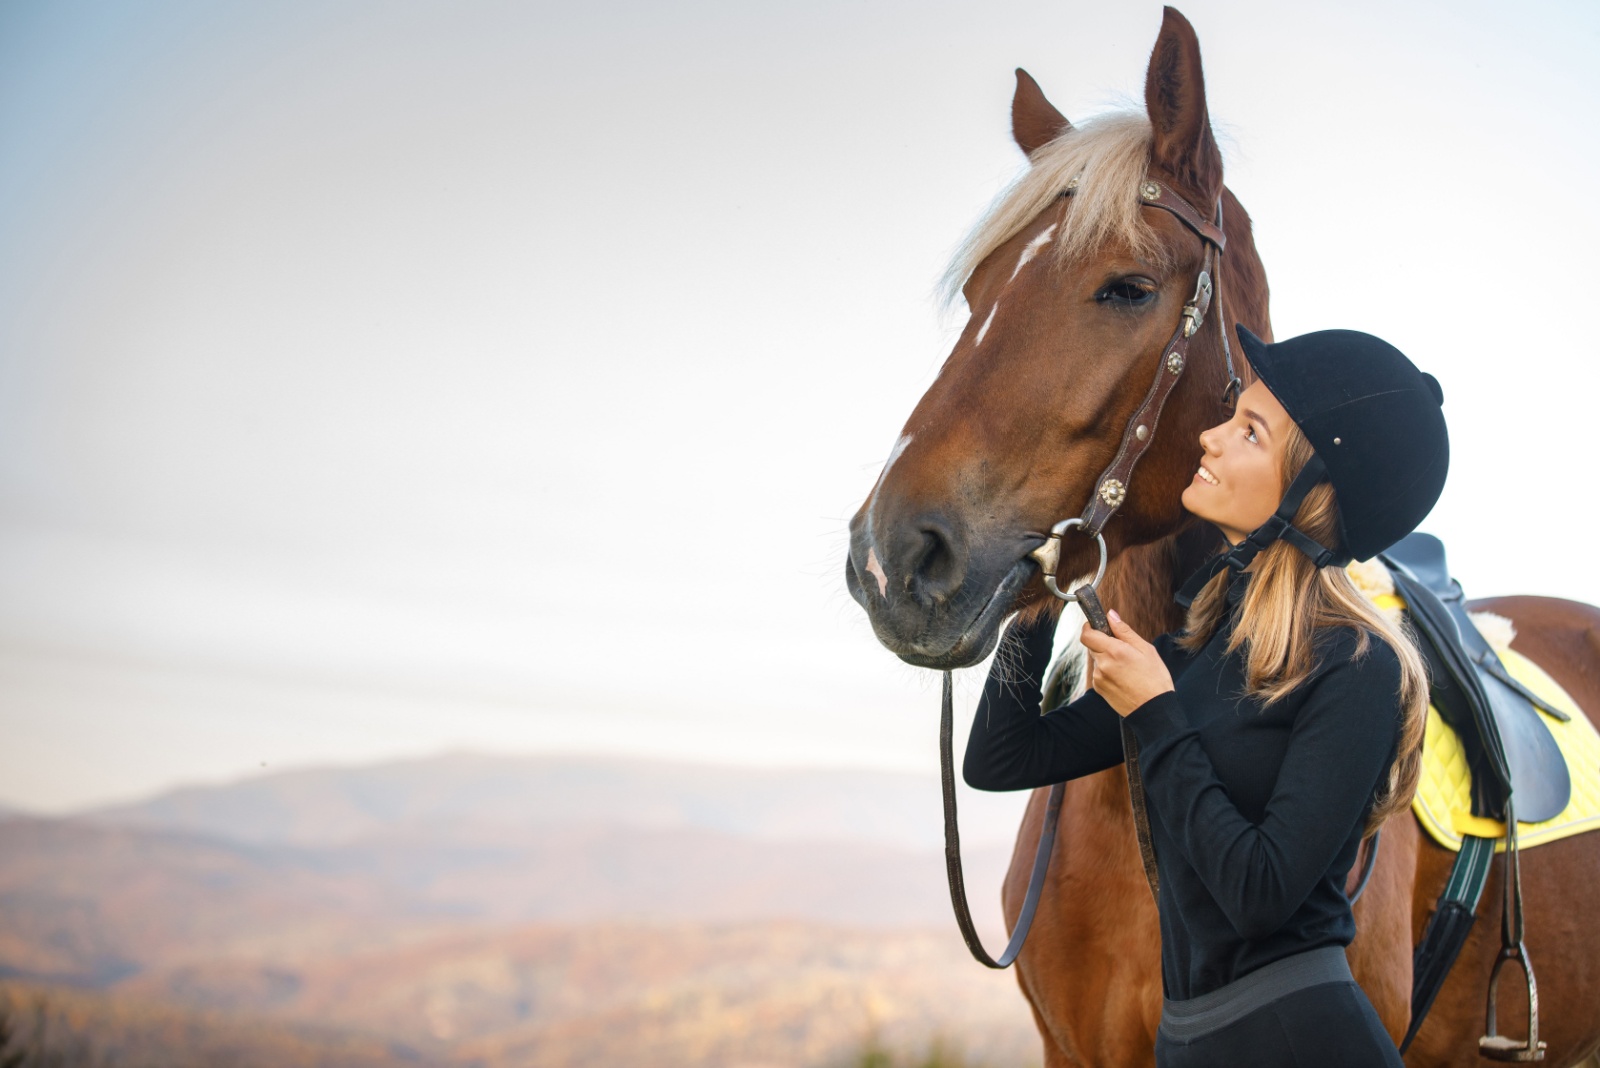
pixel 984 329
pixel 1031 250
pixel 872 508
pixel 875 569
pixel 894 454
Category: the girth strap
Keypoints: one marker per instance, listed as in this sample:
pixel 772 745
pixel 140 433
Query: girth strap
pixel 1448 928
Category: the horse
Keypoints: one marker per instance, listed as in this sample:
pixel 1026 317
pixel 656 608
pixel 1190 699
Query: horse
pixel 1072 290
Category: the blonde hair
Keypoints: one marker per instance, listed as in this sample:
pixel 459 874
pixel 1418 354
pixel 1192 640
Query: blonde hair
pixel 1288 601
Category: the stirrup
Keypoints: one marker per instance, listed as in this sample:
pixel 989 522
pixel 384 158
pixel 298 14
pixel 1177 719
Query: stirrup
pixel 1498 1047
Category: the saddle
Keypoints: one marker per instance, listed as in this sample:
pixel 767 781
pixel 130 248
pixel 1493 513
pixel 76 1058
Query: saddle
pixel 1517 772
pixel 1509 748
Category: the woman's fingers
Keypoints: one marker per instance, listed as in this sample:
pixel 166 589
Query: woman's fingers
pixel 1124 668
pixel 1096 642
pixel 1121 629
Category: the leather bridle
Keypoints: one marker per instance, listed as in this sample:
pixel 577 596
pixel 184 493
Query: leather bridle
pixel 1111 490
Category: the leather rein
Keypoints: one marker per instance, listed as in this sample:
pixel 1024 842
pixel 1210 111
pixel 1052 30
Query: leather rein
pixel 1111 490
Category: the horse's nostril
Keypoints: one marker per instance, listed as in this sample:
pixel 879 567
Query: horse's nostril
pixel 938 568
pixel 937 562
pixel 923 558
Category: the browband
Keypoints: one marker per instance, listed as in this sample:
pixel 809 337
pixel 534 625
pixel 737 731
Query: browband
pixel 1154 194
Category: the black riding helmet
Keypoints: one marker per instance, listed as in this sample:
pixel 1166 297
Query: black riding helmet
pixel 1378 433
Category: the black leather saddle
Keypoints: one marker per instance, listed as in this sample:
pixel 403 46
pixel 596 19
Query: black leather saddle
pixel 1509 748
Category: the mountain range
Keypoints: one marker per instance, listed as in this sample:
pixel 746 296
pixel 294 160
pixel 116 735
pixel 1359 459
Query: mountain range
pixel 449 908
pixel 330 806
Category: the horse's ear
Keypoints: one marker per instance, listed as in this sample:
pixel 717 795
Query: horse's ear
pixel 1175 98
pixel 1034 120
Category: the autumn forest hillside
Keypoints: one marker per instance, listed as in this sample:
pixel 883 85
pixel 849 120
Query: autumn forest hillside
pixel 471 910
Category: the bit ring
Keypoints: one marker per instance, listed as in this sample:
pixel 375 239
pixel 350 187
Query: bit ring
pixel 1057 533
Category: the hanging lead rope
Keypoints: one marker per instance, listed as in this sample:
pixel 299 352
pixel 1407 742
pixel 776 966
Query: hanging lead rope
pixel 952 847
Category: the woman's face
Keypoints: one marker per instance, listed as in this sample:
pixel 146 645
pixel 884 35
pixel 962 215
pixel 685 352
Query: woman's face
pixel 1240 482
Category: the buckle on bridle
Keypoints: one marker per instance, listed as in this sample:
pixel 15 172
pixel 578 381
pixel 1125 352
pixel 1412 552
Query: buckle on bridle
pixel 1231 391
pixel 1194 312
pixel 1048 557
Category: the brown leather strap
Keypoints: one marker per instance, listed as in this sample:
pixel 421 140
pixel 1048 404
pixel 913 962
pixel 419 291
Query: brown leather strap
pixel 1154 194
pixel 1089 601
pixel 1111 488
pixel 1141 814
pixel 1110 491
pixel 952 848
pixel 1355 884
pixel 1230 391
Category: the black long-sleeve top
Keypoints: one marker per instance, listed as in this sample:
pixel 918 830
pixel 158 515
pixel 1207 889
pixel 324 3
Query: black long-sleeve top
pixel 1256 813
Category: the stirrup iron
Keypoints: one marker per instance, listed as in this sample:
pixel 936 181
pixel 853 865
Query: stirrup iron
pixel 1498 1047
pixel 1493 1045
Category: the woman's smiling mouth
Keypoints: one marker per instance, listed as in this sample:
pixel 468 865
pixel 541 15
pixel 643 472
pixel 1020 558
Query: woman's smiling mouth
pixel 1206 476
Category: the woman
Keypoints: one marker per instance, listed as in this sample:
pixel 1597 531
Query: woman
pixel 1280 726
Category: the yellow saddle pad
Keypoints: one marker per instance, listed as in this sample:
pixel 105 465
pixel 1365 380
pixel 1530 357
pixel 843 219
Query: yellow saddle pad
pixel 1443 804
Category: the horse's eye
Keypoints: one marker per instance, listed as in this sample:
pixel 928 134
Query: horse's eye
pixel 1127 291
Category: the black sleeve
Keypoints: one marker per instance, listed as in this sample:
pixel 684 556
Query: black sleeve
pixel 1342 741
pixel 1013 747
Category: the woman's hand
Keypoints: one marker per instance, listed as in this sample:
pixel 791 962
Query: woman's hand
pixel 1124 668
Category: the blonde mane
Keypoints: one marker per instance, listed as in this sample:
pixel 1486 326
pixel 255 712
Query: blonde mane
pixel 1109 156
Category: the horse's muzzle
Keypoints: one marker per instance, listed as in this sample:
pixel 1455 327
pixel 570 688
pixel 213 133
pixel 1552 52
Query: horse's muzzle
pixel 931 602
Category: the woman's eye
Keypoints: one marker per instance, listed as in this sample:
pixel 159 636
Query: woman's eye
pixel 1250 435
pixel 1127 292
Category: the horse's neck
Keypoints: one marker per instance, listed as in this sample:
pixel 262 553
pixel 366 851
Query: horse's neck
pixel 1139 583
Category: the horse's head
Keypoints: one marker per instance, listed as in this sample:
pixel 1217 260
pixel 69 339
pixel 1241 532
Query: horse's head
pixel 1071 300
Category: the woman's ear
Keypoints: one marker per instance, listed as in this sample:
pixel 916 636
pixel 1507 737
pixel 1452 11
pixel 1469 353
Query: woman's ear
pixel 1175 99
pixel 1035 122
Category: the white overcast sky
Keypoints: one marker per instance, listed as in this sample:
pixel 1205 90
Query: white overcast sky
pixel 382 378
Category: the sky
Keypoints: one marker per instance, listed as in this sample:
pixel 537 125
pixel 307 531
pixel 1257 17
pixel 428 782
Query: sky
pixel 381 379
